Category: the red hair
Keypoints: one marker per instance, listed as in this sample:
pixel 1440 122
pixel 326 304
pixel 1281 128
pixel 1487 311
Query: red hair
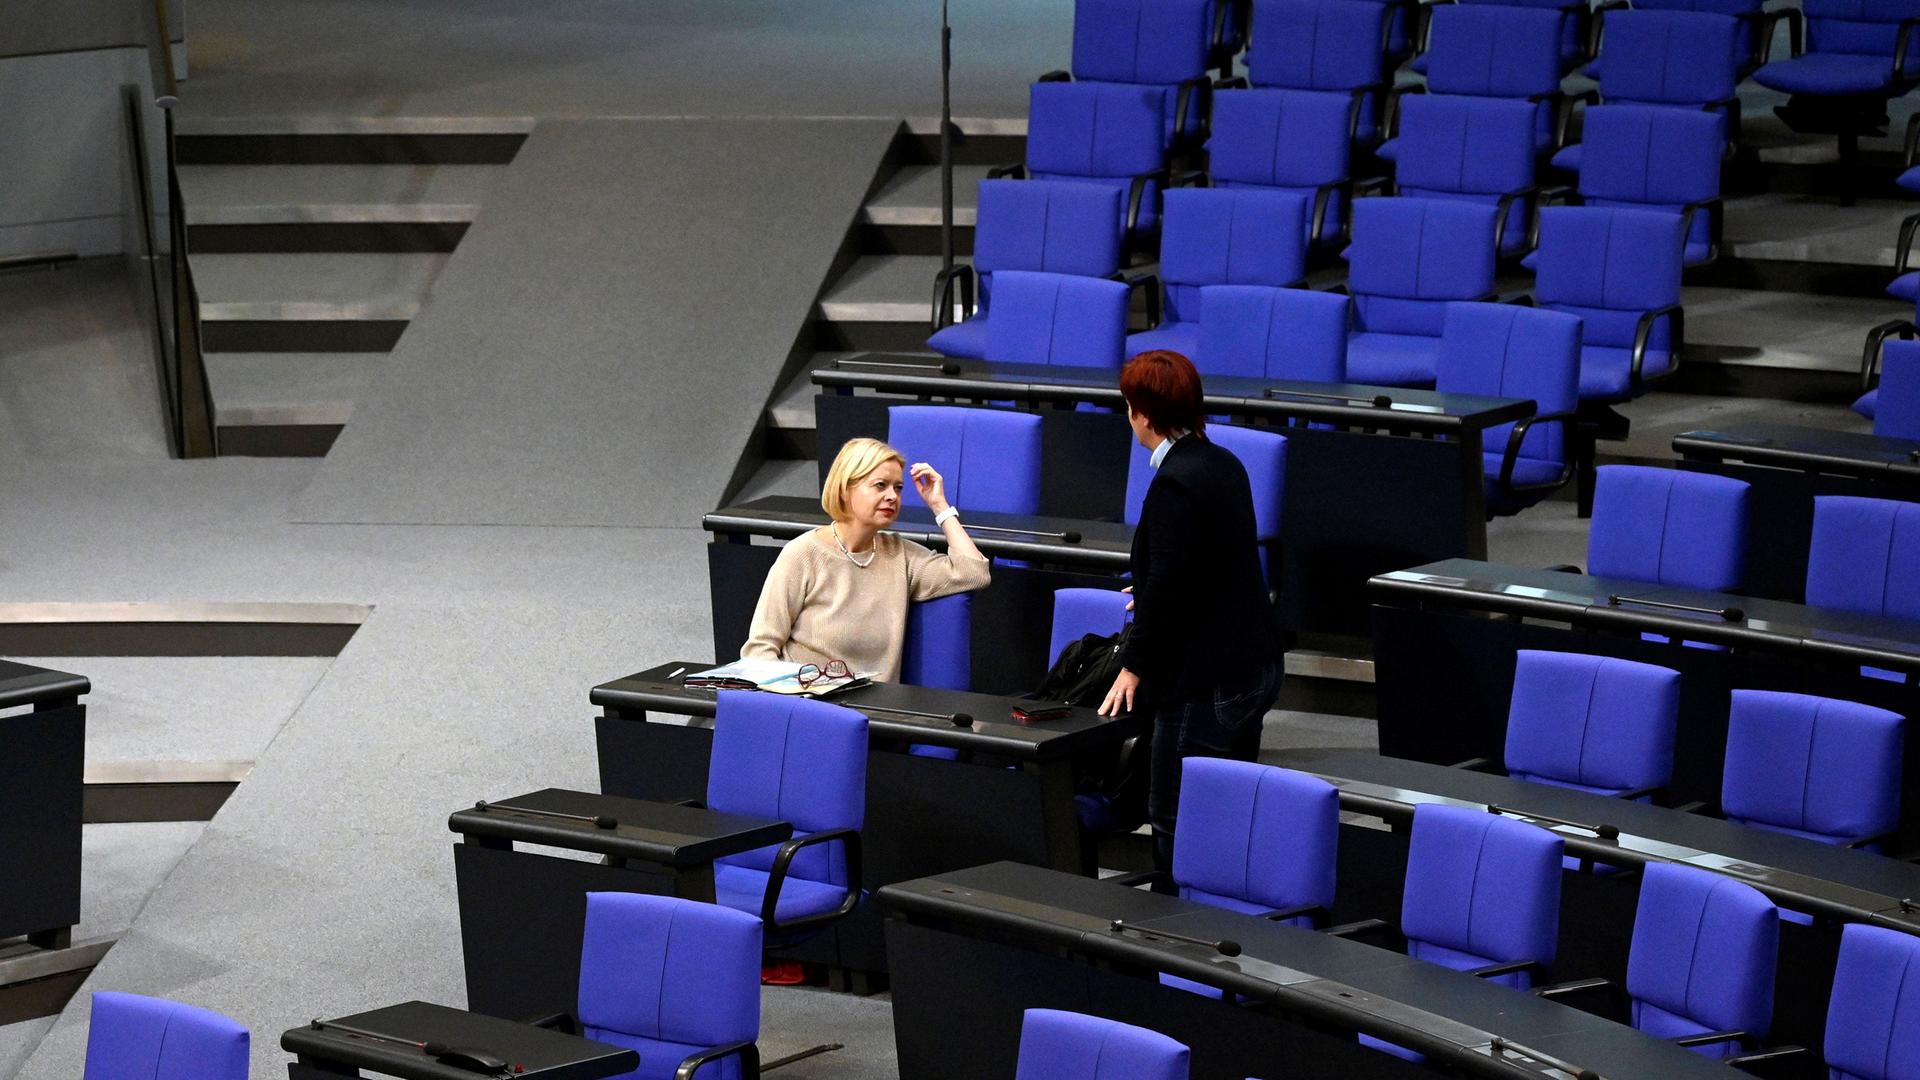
pixel 1164 387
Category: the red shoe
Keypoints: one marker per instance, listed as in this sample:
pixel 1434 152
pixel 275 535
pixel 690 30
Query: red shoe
pixel 782 973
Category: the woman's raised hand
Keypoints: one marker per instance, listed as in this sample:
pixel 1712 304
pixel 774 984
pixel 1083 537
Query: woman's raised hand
pixel 930 485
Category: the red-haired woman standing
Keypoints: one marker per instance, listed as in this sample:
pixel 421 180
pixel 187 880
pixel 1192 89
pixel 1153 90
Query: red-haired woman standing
pixel 1203 641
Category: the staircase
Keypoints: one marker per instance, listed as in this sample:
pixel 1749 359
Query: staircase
pixel 313 246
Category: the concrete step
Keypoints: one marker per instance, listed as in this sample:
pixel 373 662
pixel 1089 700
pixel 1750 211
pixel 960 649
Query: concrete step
pixel 285 404
pixel 912 197
pixel 1790 346
pixel 346 140
pixel 1658 417
pixel 304 208
pixel 311 302
pixel 883 288
pixel 792 407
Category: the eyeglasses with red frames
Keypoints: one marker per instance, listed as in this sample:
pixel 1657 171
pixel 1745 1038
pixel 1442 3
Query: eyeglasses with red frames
pixel 813 673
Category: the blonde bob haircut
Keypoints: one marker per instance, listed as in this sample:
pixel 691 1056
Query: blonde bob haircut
pixel 850 466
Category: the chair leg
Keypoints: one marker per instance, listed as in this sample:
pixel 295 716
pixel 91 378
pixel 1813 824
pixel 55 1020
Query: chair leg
pixel 802 1055
pixel 1583 476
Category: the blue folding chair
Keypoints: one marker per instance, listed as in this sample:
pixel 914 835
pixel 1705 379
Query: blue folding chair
pixel 1163 44
pixel 1505 350
pixel 1057 1045
pixel 1495 51
pixel 1058 320
pixel 1294 141
pixel 988 458
pixel 1477 150
pixel 1681 59
pixel 1410 259
pixel 1650 157
pixel 1328 45
pixel 1669 527
pixel 1592 723
pixel 155 1039
pixel 1812 767
pixel 1619 271
pixel 1258 332
pixel 1854 56
pixel 1873 1014
pixel 1220 236
pixel 1110 135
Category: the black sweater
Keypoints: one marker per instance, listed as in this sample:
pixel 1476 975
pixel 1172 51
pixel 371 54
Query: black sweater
pixel 1201 616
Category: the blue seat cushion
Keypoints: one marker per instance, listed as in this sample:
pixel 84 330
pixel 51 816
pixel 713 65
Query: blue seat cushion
pixel 660 1058
pixel 1180 337
pixel 1566 159
pixel 1606 371
pixel 1392 359
pixel 1828 74
pixel 1909 179
pixel 1868 403
pixel 1905 287
pixel 1697 252
pixel 966 340
pixel 743 888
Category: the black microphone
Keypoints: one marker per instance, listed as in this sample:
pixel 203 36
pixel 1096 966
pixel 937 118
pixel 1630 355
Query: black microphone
pixel 1505 1047
pixel 1730 614
pixel 431 1049
pixel 1068 537
pixel 945 367
pixel 1604 832
pixel 598 821
pixel 1378 401
pixel 958 719
pixel 1224 947
pixel 1913 455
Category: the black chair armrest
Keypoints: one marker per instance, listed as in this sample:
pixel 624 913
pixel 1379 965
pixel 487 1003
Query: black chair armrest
pixel 749 1060
pixel 562 1022
pixel 1323 199
pixel 1563 115
pixel 1195 93
pixel 1368 185
pixel 1135 879
pixel 1238 82
pixel 1605 992
pixel 1876 838
pixel 1136 194
pixel 783 861
pixel 1708 1038
pixel 1390 111
pixel 1190 178
pixel 1715 212
pixel 1643 333
pixel 1056 75
pixel 1699 806
pixel 1650 791
pixel 1517 436
pixel 1007 172
pixel 1903 253
pixel 1494 971
pixel 1773 1062
pixel 1148 285
pixel 697 804
pixel 1502 208
pixel 1911 145
pixel 1379 931
pixel 1876 337
pixel 1217 53
pixel 1318 916
pixel 1359 96
pixel 1474 764
pixel 1563 568
pixel 1594 32
pixel 961 275
pixel 1902 42
pixel 1796 32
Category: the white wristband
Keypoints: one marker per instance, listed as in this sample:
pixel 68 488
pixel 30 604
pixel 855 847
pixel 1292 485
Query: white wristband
pixel 940 519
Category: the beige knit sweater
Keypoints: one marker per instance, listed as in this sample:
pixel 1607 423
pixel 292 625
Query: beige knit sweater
pixel 817 606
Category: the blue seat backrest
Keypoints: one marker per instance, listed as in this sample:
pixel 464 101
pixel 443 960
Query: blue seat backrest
pixel 1608 266
pixel 1493 51
pixel 1860 27
pixel 1453 143
pixel 1671 57
pixel 1737 8
pixel 1594 721
pixel 1704 949
pixel 1256 834
pixel 658 967
pixel 1410 255
pixel 794 759
pixel 1669 526
pixel 1505 350
pixel 989 458
pixel 1261 332
pixel 1262 453
pixel 1898 414
pixel 1094 129
pixel 1058 1045
pixel 1316 44
pixel 1053 225
pixel 938 650
pixel 1278 138
pixel 155 1039
pixel 1814 766
pixel 1482 884
pixel 1079 612
pixel 1873 1016
pixel 1651 154
pixel 1229 236
pixel 1141 41
pixel 1057 319
pixel 1865 556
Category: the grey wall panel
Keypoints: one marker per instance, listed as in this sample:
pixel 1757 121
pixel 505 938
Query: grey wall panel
pixel 54 26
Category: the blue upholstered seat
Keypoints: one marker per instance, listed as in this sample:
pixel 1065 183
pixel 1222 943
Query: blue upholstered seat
pixel 1079 612
pixel 1409 259
pixel 1573 25
pixel 1702 959
pixel 155 1039
pixel 1494 51
pixel 1221 236
pixel 1897 399
pixel 1471 149
pixel 1156 43
pixel 1865 556
pixel 1669 527
pixel 1058 1045
pixel 1649 157
pixel 989 458
pixel 1745 12
pixel 1261 332
pixel 1619 271
pixel 1812 767
pixel 670 979
pixel 1481 890
pixel 1110 135
pixel 1873 1015
pixel 1060 228
pixel 799 761
pixel 1591 723
pixel 1682 58
pixel 938 652
pixel 1043 318
pixel 1850 51
pixel 1286 140
pixel 1505 350
pixel 1331 45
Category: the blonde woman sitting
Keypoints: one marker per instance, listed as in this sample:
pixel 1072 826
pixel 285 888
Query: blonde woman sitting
pixel 840 592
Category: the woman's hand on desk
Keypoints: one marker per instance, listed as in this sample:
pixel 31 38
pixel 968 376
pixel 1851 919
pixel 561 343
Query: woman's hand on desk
pixel 931 486
pixel 1120 696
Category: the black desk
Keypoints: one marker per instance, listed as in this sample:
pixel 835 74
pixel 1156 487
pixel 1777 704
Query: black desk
pixel 1011 617
pixel 1788 467
pixel 43 729
pixel 532 1052
pixel 1443 668
pixel 924 815
pixel 523 914
pixel 1370 488
pixel 974 948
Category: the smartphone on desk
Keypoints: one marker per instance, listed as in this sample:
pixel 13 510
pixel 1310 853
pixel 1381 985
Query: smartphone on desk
pixel 1033 714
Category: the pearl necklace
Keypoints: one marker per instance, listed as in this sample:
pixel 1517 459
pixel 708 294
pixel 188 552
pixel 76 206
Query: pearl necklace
pixel 835 529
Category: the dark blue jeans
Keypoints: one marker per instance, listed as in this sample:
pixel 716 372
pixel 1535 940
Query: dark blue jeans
pixel 1225 723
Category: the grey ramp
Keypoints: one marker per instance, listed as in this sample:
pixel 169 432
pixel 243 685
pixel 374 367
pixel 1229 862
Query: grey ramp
pixel 609 330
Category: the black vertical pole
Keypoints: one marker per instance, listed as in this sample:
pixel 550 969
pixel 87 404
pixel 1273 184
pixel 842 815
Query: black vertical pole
pixel 946 142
